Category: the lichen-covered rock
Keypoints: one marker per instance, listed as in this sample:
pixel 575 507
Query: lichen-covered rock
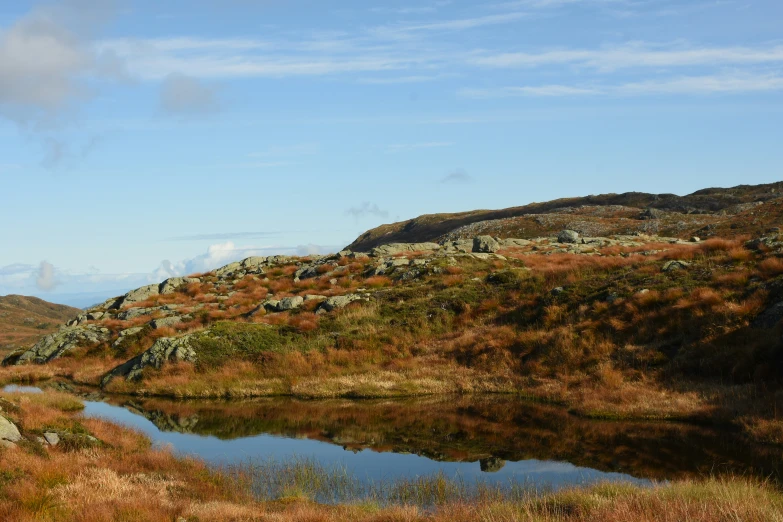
pixel 167 349
pixel 171 285
pixel 675 264
pixel 9 431
pixel 568 236
pixel 393 249
pixel 290 303
pixel 338 301
pixel 55 345
pixel 165 322
pixel 485 245
pixel 140 294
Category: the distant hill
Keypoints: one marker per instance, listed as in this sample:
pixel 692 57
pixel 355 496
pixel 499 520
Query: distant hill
pixel 704 213
pixel 24 320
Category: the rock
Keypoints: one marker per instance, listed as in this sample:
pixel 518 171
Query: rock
pixel 338 301
pixel 9 431
pixel 306 272
pixel 55 345
pixel 230 268
pixel 133 313
pixel 515 242
pixel 255 262
pixel 165 322
pixel 169 286
pixel 462 246
pixel 568 236
pixel 94 316
pixel 491 464
pixel 650 213
pixel 309 298
pixel 485 245
pixel 393 249
pixel 558 290
pixel 140 294
pixel 769 318
pixel 271 305
pixel 695 239
pixel 290 303
pixel 675 265
pixel 52 438
pixel 166 349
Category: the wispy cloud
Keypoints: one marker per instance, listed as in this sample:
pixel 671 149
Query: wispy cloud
pixel 184 96
pixel 367 209
pixel 457 177
pixel 707 84
pixel 635 55
pixel 394 80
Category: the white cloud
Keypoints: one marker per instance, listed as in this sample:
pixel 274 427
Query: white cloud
pixel 45 60
pixel 45 278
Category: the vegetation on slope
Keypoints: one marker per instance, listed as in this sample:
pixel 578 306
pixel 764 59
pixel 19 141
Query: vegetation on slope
pixel 23 320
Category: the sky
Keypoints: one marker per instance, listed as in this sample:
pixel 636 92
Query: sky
pixel 142 139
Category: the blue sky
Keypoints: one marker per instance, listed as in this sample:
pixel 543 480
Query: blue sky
pixel 142 139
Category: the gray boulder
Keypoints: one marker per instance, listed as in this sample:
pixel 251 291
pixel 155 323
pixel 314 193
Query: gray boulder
pixel 140 294
pixel 165 322
pixel 55 345
pixel 229 269
pixel 9 431
pixel 568 236
pixel 676 264
pixel 650 213
pixel 290 303
pixel 392 249
pixel 52 438
pixel 485 245
pixel 169 286
pixel 462 246
pixel 339 301
pixel 167 349
pixel 510 242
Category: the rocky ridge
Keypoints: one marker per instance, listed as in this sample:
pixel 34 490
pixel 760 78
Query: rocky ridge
pixel 147 310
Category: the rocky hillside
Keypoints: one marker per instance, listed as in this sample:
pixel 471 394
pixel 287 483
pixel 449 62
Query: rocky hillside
pixel 706 213
pixel 639 325
pixel 24 320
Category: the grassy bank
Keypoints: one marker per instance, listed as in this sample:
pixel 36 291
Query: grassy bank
pixel 119 476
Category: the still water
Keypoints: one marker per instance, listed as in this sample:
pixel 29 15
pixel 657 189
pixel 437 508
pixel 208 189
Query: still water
pixel 488 438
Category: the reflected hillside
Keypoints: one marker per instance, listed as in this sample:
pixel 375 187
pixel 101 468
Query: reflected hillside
pixel 487 429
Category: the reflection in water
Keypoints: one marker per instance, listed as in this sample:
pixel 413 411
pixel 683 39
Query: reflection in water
pixel 489 438
pixel 15 388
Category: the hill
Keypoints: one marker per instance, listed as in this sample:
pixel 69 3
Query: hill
pixel 704 213
pixel 608 323
pixel 24 320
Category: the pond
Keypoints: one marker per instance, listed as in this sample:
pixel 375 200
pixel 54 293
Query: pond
pixel 492 439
